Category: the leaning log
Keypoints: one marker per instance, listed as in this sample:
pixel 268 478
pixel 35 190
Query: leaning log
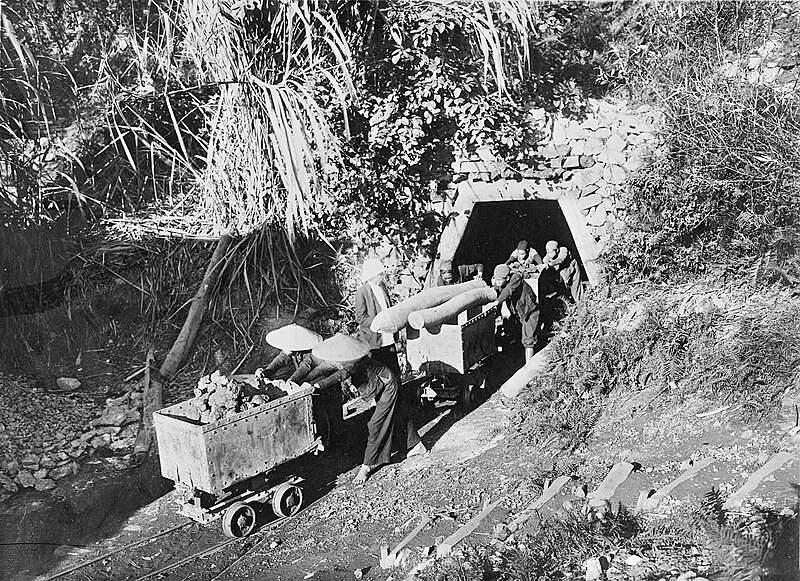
pixel 191 325
pixel 395 318
pixel 435 316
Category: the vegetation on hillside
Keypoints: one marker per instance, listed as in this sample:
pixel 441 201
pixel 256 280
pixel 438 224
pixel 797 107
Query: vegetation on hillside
pixel 721 191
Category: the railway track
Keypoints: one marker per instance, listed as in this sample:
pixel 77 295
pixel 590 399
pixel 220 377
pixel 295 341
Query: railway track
pixel 271 526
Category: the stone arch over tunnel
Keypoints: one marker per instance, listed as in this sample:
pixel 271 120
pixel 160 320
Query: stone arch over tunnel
pixel 495 228
pixel 487 220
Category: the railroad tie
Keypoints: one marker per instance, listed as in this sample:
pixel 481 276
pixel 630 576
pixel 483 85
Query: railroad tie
pixel 616 476
pixel 652 502
pixel 773 464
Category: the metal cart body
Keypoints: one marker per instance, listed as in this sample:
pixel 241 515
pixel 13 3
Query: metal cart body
pixel 227 463
pixel 447 359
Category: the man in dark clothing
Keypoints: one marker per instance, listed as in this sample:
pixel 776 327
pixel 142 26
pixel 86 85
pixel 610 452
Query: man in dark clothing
pixel 522 304
pixel 561 260
pixel 377 381
pixel 370 299
pixel 524 259
pixel 553 308
pixel 448 274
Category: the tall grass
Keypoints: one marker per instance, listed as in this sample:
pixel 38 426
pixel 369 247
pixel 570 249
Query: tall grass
pixel 722 189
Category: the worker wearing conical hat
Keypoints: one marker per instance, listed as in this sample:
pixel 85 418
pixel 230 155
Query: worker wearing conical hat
pixel 342 356
pixel 295 342
pixel 375 380
pixel 330 362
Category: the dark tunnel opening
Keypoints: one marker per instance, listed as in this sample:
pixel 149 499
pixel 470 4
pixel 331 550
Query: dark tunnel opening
pixel 495 228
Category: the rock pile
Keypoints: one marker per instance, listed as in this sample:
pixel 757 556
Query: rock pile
pixel 218 396
pixel 37 449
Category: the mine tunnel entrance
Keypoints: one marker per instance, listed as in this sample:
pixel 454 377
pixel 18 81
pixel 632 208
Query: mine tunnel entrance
pixel 495 228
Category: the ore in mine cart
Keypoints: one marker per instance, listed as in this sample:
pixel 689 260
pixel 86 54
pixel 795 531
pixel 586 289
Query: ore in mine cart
pixel 222 448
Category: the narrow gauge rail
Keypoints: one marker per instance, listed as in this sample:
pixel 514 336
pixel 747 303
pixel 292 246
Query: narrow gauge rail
pixel 267 527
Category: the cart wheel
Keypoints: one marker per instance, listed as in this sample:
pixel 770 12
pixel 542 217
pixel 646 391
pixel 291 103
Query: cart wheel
pixel 287 500
pixel 466 397
pixel 239 520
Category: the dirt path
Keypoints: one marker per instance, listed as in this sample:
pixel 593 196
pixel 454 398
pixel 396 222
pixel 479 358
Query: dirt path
pixel 474 460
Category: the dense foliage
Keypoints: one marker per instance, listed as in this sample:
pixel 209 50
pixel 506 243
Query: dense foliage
pixel 426 102
pixel 722 189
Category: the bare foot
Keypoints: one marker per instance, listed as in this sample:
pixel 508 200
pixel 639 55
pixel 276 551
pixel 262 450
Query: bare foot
pixel 363 474
pixel 417 450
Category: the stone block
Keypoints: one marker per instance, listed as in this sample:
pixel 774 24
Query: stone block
pixel 68 383
pixel 571 162
pixel 61 471
pixel 45 484
pixel 616 143
pixel 602 133
pixel 575 131
pixel 597 217
pixel 8 484
pixel 593 146
pixel 612 156
pixel 549 151
pixel 618 175
pixel 590 201
pixel 578 147
pixel 559 132
pixel 590 124
pixel 25 479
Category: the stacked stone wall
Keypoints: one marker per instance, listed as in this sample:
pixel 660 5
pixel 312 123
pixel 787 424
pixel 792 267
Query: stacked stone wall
pixel 587 160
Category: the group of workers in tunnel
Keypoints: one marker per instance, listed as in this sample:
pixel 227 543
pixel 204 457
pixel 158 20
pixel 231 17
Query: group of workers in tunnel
pixel 532 290
pixel 529 288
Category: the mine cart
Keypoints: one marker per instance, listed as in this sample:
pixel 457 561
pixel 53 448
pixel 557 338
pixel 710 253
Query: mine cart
pixel 447 360
pixel 224 468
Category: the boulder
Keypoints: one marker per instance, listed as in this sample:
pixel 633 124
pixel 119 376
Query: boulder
pixel 45 484
pixel 597 217
pixel 62 471
pixel 25 479
pixel 8 484
pixel 602 133
pixel 68 383
pixel 618 175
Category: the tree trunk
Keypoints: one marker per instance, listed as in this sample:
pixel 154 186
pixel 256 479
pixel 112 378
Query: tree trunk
pixel 190 327
pixel 152 400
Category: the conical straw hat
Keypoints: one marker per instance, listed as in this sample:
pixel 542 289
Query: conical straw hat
pixel 293 338
pixel 340 348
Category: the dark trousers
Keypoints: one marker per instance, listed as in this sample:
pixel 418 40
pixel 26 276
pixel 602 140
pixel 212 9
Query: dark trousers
pixel 383 426
pixel 388 356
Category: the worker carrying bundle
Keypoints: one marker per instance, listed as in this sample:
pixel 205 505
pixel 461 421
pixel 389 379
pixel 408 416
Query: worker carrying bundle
pixel 435 316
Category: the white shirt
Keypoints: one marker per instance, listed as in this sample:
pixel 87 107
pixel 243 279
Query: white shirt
pixel 377 290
